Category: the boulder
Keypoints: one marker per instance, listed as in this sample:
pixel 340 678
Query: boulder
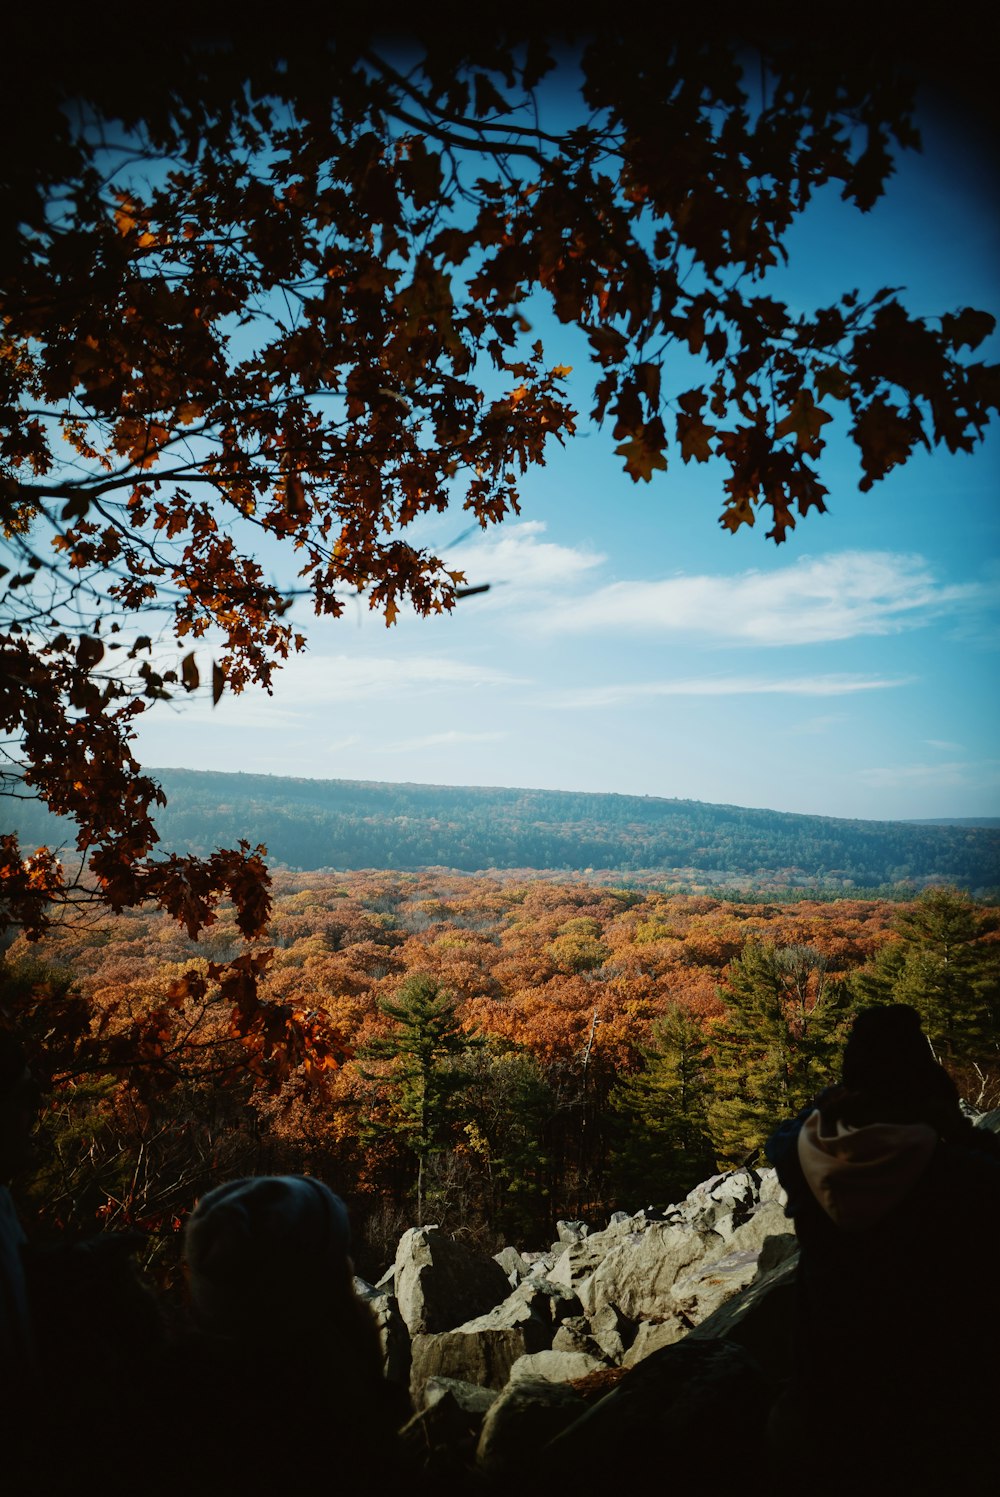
pixel 514 1266
pixel 638 1273
pixel 652 1335
pixel 525 1417
pixel 481 1351
pixel 468 1396
pixel 553 1302
pixel 571 1231
pixel 554 1366
pixel 574 1335
pixel 725 1270
pixel 579 1259
pixel 612 1331
pixel 392 1332
pixel 440 1283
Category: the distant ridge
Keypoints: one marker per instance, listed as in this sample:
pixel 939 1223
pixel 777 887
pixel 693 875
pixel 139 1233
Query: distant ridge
pixel 350 824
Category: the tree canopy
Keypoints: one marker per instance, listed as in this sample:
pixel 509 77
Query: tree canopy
pixel 275 298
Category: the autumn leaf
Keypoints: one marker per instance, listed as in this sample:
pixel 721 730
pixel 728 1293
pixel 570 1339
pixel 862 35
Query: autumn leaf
pixel 806 420
pixel 830 379
pixel 190 679
pixel 643 452
pixel 693 433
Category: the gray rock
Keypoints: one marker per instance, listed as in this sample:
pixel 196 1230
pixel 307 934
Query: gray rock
pixel 525 1417
pixel 612 1331
pixel 554 1302
pixel 468 1396
pixel 440 1283
pixel 514 1266
pixel 725 1270
pixel 571 1231
pixel 393 1335
pixel 651 1335
pixel 638 1273
pixel 580 1259
pixel 482 1351
pixel 574 1335
pixel 554 1366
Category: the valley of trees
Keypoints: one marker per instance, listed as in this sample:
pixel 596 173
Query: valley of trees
pixel 487 1052
pixel 269 295
pixel 349 824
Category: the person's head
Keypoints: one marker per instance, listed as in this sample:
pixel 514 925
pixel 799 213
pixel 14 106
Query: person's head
pixel 267 1255
pixel 888 1057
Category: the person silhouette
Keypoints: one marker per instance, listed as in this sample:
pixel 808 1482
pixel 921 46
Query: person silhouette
pixel 893 1198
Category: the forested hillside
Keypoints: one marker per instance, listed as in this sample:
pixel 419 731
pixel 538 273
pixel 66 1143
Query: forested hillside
pixel 351 824
pixel 490 1051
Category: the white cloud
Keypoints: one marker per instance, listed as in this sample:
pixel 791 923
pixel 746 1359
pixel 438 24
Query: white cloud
pixel 956 774
pixel 307 682
pixel 944 744
pixel 517 556
pixel 808 602
pixel 725 686
pixel 440 740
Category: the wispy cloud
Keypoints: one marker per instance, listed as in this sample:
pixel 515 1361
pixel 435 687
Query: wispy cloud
pixel 823 722
pixel 439 740
pixel 808 602
pixel 518 557
pixel 983 774
pixel 944 744
pixel 619 692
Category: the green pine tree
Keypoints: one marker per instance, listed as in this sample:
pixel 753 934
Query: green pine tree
pixel 776 1046
pixel 425 1079
pixel 942 965
pixel 664 1147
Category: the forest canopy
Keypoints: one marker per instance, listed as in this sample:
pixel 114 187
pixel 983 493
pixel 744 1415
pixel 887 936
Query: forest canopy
pixel 349 824
pixel 274 298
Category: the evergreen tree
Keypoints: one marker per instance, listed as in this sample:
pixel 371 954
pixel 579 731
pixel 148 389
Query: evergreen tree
pixel 664 1148
pixel 509 1110
pixel 775 1047
pixel 425 1078
pixel 943 966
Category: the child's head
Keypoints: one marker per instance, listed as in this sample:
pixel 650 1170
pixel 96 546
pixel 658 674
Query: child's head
pixel 267 1255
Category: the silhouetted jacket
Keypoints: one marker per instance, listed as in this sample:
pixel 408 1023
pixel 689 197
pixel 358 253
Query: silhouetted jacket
pixel 898 1300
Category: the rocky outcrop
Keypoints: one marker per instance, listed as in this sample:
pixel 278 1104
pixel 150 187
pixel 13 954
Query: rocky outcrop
pixel 598 1299
pixel 624 1349
pixel 440 1283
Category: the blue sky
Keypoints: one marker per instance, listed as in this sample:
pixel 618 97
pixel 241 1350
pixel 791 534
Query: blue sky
pixel 628 644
